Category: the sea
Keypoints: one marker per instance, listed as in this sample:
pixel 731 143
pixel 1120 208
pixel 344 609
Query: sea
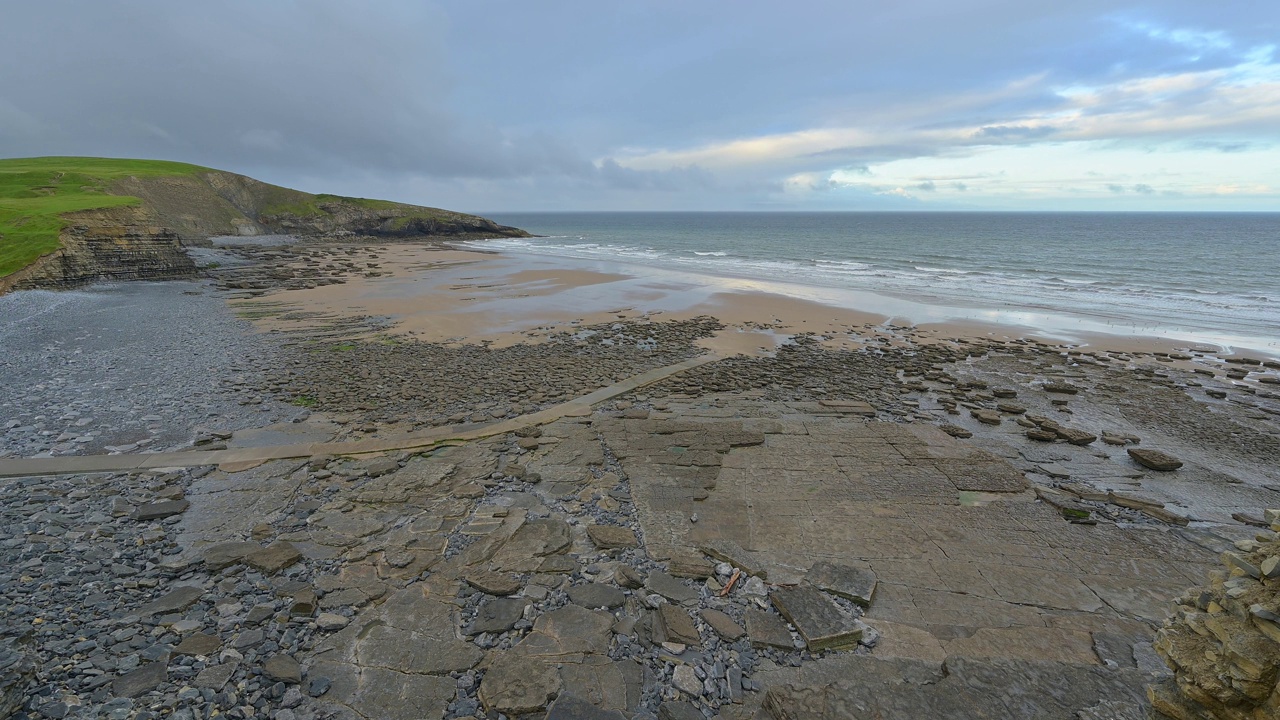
pixel 1210 277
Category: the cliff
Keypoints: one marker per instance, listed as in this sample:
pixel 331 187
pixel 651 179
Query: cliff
pixel 68 221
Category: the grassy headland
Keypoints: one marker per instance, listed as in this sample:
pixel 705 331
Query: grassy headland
pixel 39 195
pixel 36 194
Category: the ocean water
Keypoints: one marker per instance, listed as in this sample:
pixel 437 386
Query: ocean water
pixel 1214 277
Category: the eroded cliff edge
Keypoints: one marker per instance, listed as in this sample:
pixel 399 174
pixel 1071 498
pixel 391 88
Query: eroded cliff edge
pixel 145 239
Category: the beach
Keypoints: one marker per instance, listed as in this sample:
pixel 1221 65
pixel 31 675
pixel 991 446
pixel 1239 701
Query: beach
pixel 644 488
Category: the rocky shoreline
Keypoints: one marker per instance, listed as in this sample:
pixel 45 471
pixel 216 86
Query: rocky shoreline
pixel 817 533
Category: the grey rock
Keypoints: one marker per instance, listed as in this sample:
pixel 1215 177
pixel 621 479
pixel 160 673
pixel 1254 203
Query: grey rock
pixel 678 626
pixel 571 707
pixel 492 583
pixel 670 588
pixel 198 644
pixel 273 558
pixel 767 630
pixel 722 624
pixel 851 583
pixel 282 668
pixel 1154 459
pixel 217 557
pixel 679 711
pixel 497 615
pixel 214 677
pixel 160 510
pixel 822 623
pixel 180 598
pixel 596 595
pixel 686 680
pixel 140 681
pixel 612 536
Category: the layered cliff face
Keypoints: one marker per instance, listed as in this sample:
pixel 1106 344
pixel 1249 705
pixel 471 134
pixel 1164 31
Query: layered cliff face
pixel 153 214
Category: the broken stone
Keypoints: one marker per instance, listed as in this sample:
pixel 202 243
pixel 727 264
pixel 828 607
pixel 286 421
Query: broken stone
pixel 492 583
pixel 678 626
pixel 670 588
pixel 198 644
pixel 821 622
pixel 283 668
pixel 596 595
pixel 722 624
pixel 851 583
pixel 767 630
pixel 140 681
pixel 180 598
pixel 1154 459
pixel 687 566
pixel 627 577
pixel 273 558
pixel 607 537
pixel 214 677
pixel 221 555
pixel 497 615
pixel 160 510
pixel 686 680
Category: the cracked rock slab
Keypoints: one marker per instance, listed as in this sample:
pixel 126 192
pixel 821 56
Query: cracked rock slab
pixel 822 623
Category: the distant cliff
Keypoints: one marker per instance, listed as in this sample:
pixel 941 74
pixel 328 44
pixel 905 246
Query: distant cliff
pixel 67 221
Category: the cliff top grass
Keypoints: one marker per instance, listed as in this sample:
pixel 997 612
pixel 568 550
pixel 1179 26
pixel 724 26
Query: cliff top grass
pixel 36 193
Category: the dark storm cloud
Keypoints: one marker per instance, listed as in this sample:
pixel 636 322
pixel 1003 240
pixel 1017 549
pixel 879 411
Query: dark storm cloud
pixel 308 87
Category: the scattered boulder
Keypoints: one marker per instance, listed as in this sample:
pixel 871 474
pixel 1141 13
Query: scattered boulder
pixel 1154 459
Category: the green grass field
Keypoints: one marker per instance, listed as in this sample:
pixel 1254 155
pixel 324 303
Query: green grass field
pixel 36 192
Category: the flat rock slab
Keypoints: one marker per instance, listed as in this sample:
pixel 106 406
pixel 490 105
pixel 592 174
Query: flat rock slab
pixel 215 677
pixel 607 537
pixel 688 566
pixel 140 681
pixel 821 622
pixel 571 707
pixel 737 556
pixel 492 583
pixel 596 595
pixel 497 615
pixel 273 558
pixel 221 555
pixel 178 599
pixel 670 588
pixel 767 630
pixel 407 651
pixel 160 510
pixel 516 685
pixel 678 626
pixel 1154 459
pixel 198 644
pixel 851 583
pixel 282 668
pixel 723 625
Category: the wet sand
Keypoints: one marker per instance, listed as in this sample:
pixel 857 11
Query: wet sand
pixel 454 296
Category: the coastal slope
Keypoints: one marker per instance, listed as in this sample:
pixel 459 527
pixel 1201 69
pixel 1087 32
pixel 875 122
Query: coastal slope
pixel 65 221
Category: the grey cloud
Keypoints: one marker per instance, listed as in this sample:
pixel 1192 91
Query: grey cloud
pixel 1016 132
pixel 926 186
pixel 1143 188
pixel 1117 189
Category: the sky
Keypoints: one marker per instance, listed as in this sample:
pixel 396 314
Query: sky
pixel 491 106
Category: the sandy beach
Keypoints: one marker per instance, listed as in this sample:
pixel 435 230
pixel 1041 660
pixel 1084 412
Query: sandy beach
pixel 448 295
